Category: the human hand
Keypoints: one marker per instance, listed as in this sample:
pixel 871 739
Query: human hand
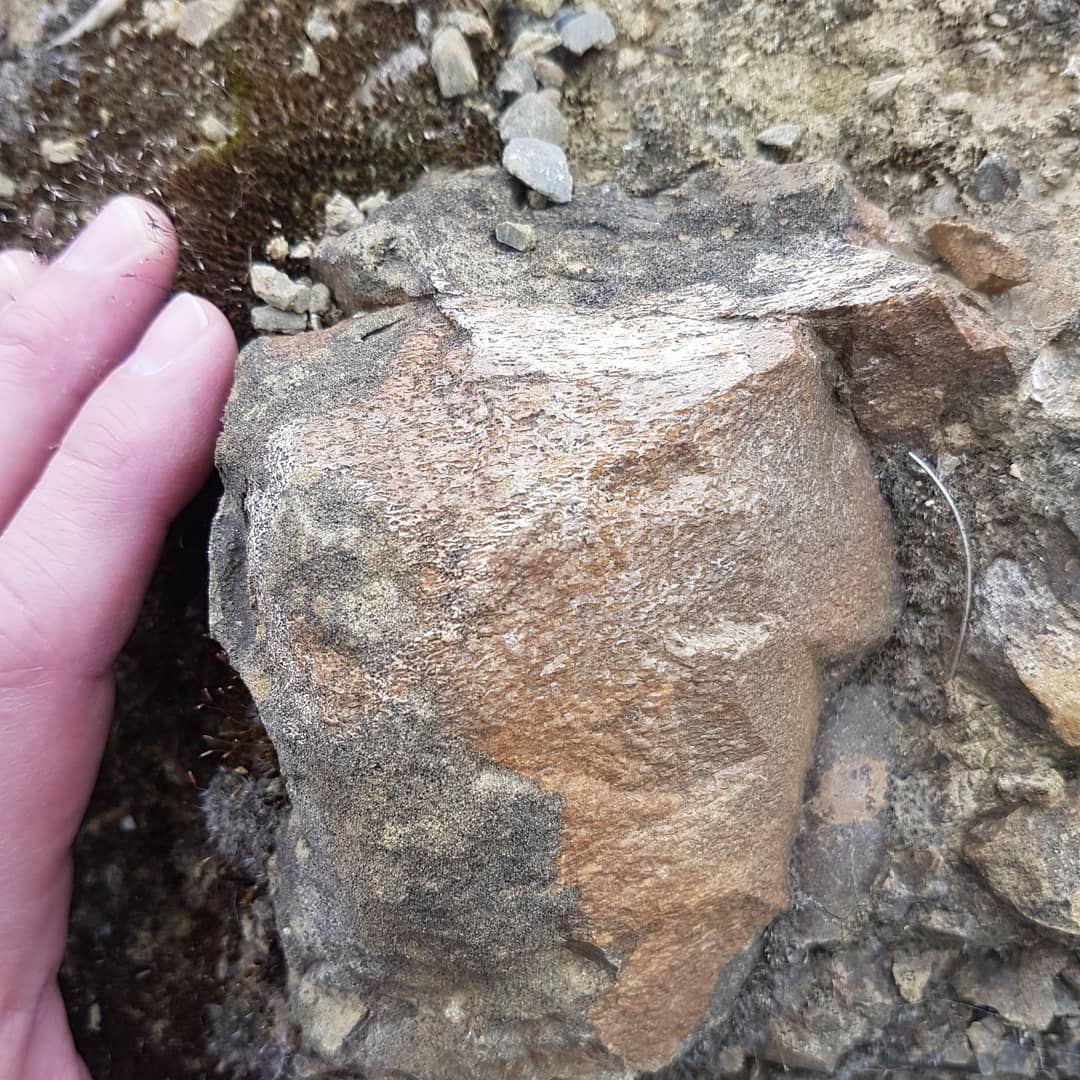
pixel 109 407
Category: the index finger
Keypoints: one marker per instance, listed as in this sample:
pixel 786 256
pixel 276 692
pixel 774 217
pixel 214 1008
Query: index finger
pixel 73 324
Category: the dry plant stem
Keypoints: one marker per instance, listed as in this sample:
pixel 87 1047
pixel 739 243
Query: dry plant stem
pixel 939 484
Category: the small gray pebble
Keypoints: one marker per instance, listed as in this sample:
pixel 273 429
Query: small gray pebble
pixel 781 136
pixel 516 77
pixel 533 116
pixel 535 41
pixel 453 63
pixel 993 179
pixel 278 289
pixel 541 166
pixel 268 320
pixel 516 236
pixel 587 31
pixel 549 73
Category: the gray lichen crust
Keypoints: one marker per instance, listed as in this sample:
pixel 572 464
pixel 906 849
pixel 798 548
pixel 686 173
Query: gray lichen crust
pixel 536 571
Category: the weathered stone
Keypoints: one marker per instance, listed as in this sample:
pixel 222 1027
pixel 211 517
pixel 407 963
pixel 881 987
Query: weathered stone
pixel 516 77
pixel 1031 858
pixel 341 214
pixel 1018 987
pixel 470 24
pixel 549 73
pixel 524 574
pixel 60 151
pixel 200 20
pixel 319 26
pixel 783 137
pixel 914 969
pixel 535 41
pixel 841 838
pixel 516 236
pixel 1040 786
pixel 1054 382
pixel 541 166
pixel 533 116
pixel 319 303
pixel 544 8
pixel 8 187
pixel 830 1008
pixel 278 289
pixel 589 30
pixel 453 63
pixel 1040 639
pixel 271 320
pixel 981 261
pixel 213 130
pixel 993 179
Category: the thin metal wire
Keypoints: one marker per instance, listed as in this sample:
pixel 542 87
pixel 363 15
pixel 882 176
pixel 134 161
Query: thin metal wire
pixel 968 563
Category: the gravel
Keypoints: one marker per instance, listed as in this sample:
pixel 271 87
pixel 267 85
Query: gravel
pixel 541 166
pixel 513 234
pixel 592 30
pixel 516 77
pixel 268 320
pixel 278 289
pixel 533 116
pixel 780 136
pixel 453 63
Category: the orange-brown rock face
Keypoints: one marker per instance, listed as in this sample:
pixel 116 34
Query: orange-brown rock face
pixel 538 601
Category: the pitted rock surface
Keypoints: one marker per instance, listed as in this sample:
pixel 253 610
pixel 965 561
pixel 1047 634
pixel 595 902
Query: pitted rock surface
pixel 538 572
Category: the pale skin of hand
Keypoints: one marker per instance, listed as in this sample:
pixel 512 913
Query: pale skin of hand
pixel 110 400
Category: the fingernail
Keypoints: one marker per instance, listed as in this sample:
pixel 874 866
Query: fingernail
pixel 123 232
pixel 172 335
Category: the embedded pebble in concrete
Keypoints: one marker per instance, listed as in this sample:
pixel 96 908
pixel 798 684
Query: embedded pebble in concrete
pixel 541 166
pixel 516 77
pixel 453 63
pixel 591 30
pixel 533 116
pixel 513 234
pixel 781 136
pixel 278 289
pixel 268 320
pixel 342 214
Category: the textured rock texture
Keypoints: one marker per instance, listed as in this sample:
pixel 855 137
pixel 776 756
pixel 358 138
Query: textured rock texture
pixel 538 570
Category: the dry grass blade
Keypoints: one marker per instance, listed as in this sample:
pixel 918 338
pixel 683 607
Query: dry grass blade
pixel 968 563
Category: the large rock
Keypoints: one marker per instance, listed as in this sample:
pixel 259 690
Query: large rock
pixel 538 572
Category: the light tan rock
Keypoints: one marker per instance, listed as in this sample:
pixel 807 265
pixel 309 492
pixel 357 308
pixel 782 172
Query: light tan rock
pixel 1031 858
pixel 979 259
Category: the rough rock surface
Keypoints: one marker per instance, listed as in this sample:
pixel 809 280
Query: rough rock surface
pixel 523 569
pixel 1031 858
